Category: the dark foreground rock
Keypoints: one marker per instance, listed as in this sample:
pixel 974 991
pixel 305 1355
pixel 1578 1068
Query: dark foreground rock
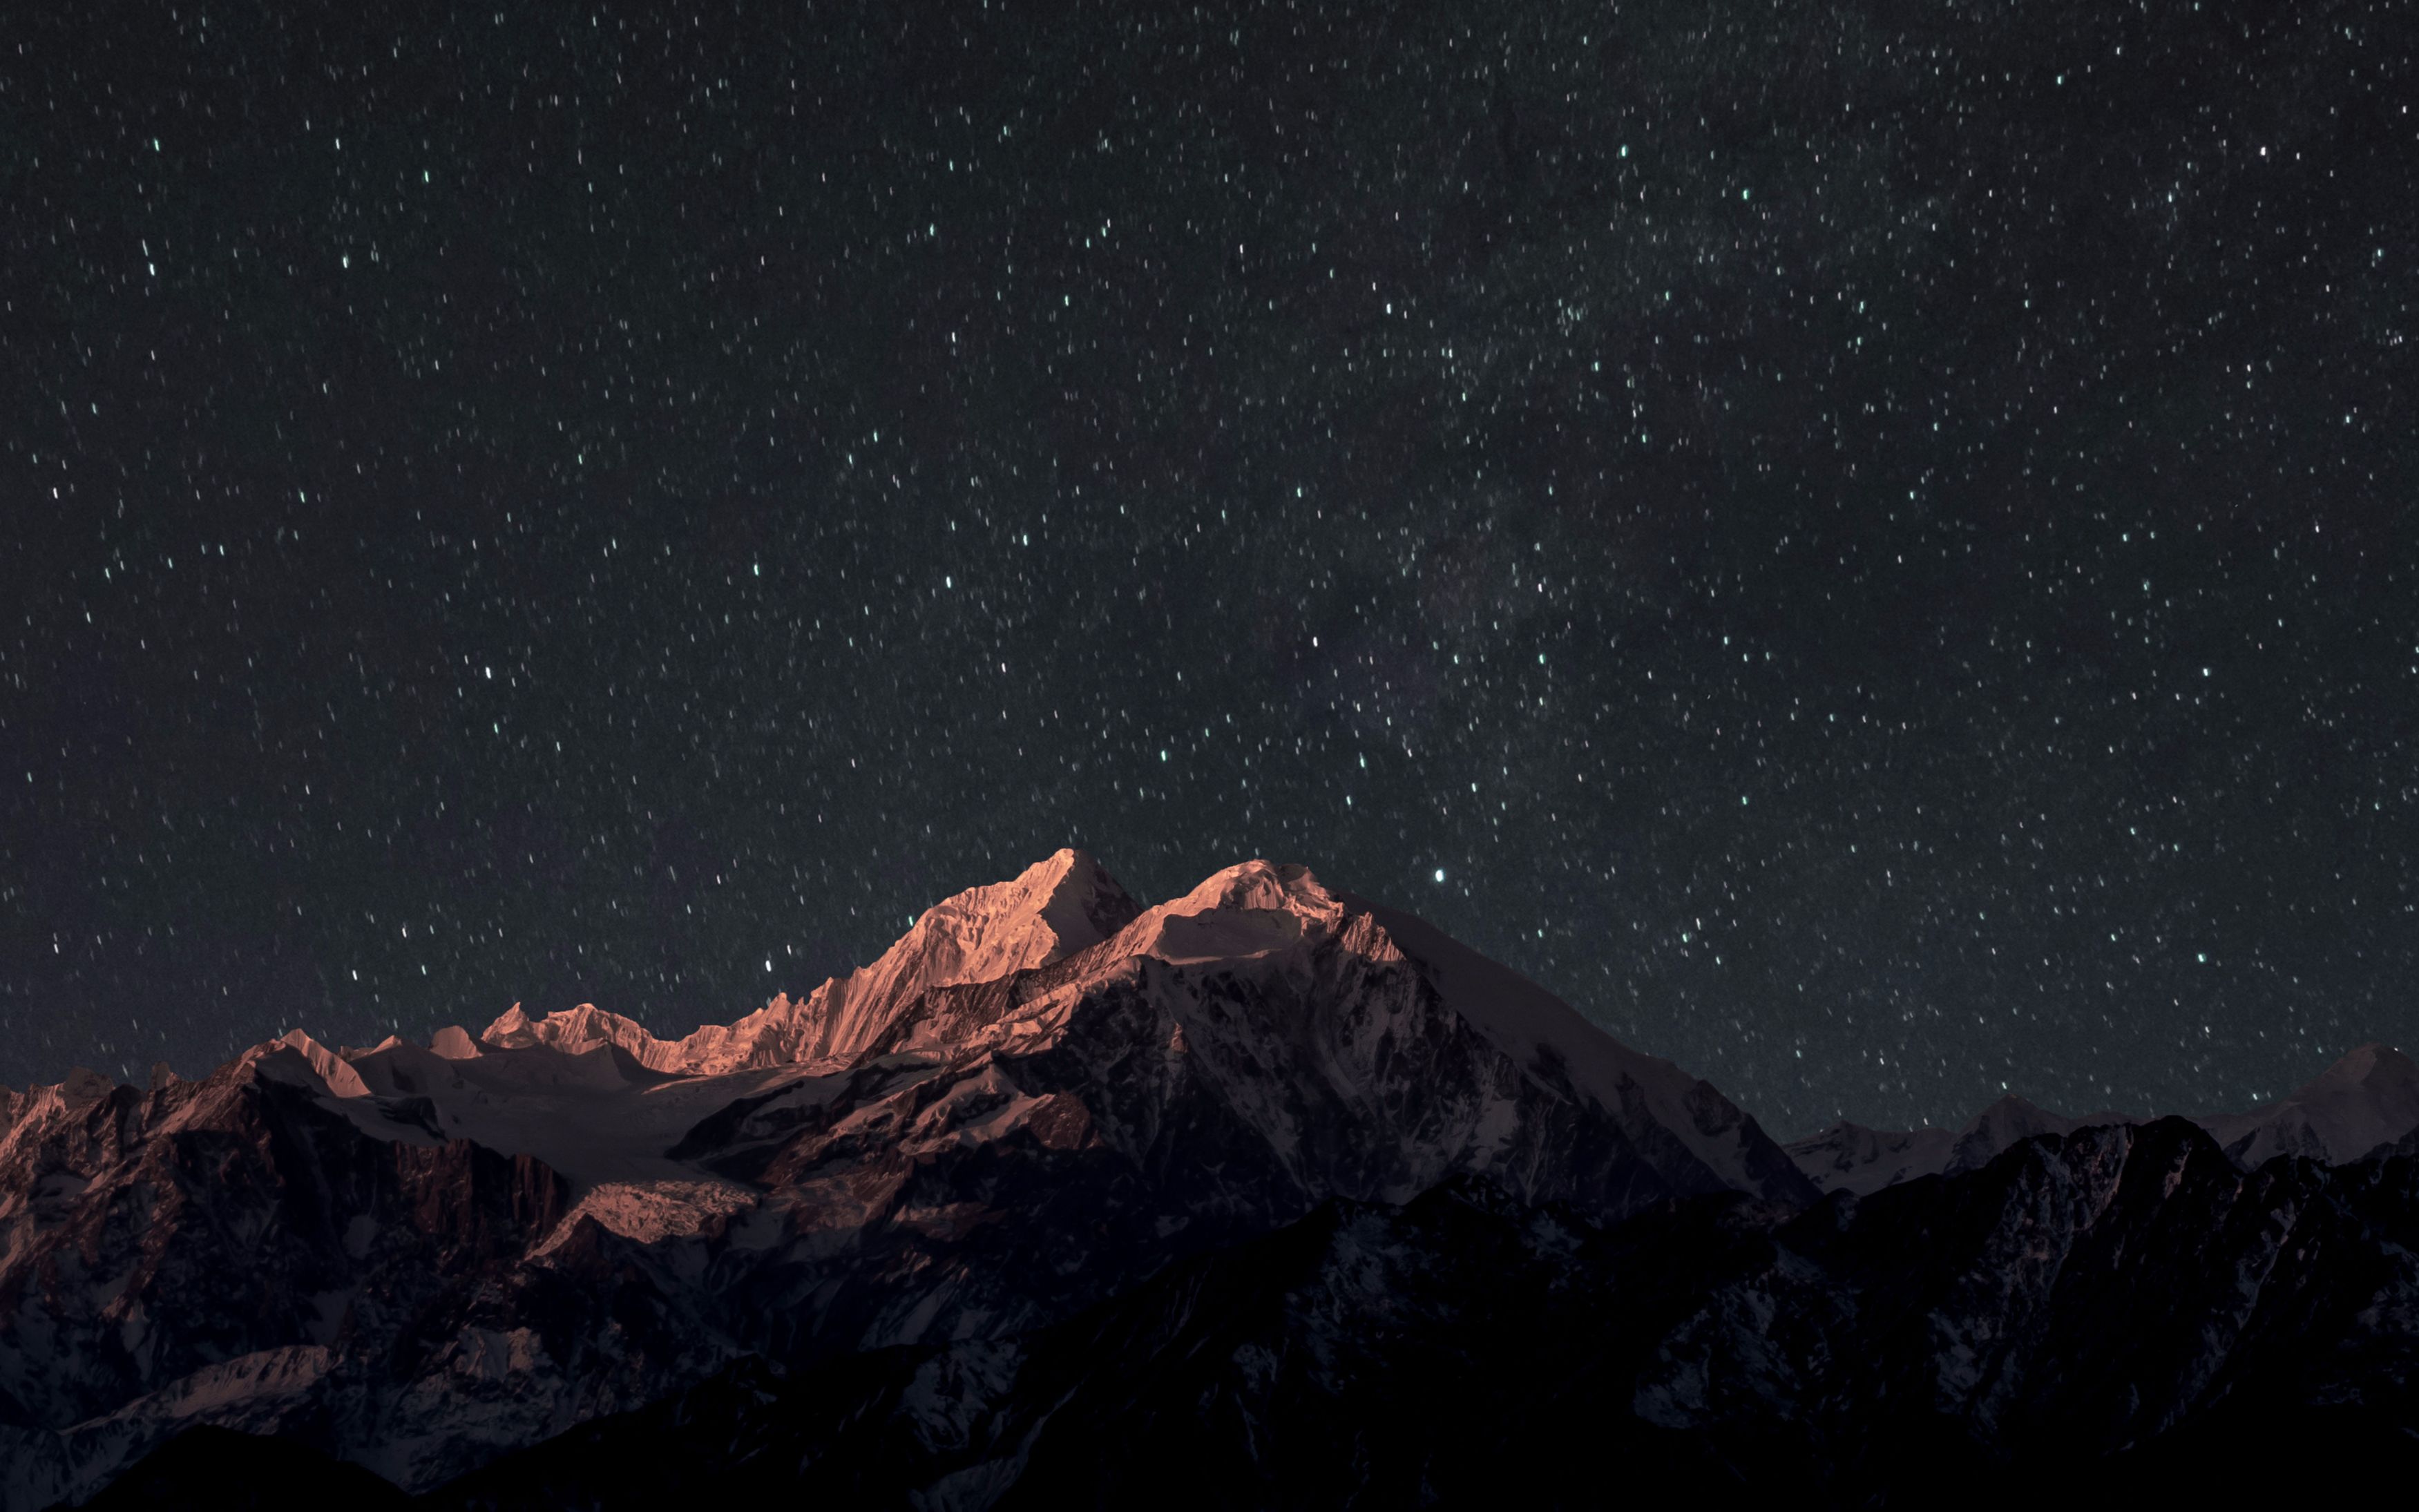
pixel 2108 1317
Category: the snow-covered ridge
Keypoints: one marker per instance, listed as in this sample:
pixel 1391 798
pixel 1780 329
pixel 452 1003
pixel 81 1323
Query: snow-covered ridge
pixel 601 1099
pixel 2368 1098
pixel 1057 908
pixel 1356 1045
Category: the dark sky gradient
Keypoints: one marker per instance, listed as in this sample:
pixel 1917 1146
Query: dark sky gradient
pixel 1874 548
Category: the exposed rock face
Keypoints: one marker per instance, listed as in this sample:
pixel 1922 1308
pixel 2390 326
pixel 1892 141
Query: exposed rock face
pixel 416 1257
pixel 230 1249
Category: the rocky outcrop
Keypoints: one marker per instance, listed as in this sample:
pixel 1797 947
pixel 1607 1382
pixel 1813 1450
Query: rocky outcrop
pixel 218 1250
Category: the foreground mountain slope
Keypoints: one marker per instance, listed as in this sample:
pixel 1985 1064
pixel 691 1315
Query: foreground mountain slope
pixel 232 1250
pixel 2051 1325
pixel 415 1257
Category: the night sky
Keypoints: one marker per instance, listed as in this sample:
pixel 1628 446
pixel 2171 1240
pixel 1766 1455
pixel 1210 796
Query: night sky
pixel 1875 548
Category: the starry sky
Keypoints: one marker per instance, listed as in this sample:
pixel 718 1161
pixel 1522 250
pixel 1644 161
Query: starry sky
pixel 1874 548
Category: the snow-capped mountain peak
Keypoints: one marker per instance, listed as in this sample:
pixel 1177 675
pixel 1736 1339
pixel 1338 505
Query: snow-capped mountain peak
pixel 330 1068
pixel 1242 912
pixel 2369 1097
pixel 2010 1121
pixel 1849 1157
pixel 1259 886
pixel 1057 908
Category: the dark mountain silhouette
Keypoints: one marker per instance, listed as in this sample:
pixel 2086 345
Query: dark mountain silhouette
pixel 1263 1196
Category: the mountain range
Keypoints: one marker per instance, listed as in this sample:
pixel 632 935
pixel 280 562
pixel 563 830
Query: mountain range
pixel 2361 1105
pixel 1267 1181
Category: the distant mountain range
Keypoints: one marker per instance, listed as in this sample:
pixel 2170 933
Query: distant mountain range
pixel 1264 1196
pixel 2358 1107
